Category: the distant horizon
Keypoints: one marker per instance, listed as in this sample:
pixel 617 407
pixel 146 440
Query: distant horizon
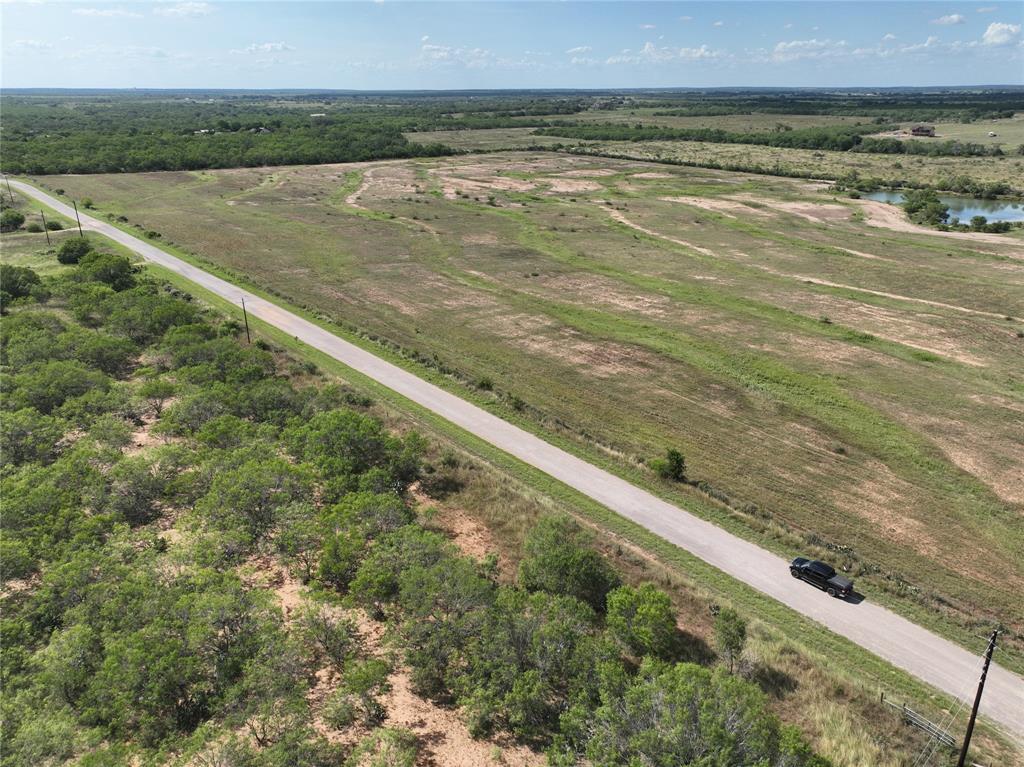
pixel 312 90
pixel 390 46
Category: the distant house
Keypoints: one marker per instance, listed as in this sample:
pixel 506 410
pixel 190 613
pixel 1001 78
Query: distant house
pixel 922 130
pixel 319 114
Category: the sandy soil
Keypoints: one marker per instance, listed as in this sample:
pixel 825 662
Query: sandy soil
pixel 590 289
pixel 589 173
pixel 652 175
pixel 444 739
pixel 818 212
pixel 725 206
pixel 569 186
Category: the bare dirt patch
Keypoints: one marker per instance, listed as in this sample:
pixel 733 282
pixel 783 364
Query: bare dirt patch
pixel 589 173
pixel 590 289
pixel 880 500
pixel 725 206
pixel 444 739
pixel 570 186
pixel 652 175
pixel 542 336
pixel 818 212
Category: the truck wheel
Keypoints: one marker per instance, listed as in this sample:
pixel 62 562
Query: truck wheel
pixel 794 572
pixel 831 592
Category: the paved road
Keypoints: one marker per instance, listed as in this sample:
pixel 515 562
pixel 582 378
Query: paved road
pixel 897 640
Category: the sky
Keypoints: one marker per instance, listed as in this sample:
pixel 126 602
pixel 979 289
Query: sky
pixel 388 45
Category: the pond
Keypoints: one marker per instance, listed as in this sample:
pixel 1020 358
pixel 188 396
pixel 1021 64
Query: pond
pixel 964 208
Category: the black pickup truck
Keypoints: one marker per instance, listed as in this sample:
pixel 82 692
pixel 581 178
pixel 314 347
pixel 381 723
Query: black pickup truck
pixel 821 575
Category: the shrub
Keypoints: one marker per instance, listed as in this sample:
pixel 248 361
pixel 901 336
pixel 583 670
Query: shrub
pixel 557 561
pixel 642 619
pixel 71 251
pixel 34 228
pixel 54 226
pixel 730 635
pixel 115 271
pixel 671 467
pixel 11 220
pixel 16 282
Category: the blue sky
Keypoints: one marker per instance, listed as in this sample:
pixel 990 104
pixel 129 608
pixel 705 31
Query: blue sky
pixel 396 45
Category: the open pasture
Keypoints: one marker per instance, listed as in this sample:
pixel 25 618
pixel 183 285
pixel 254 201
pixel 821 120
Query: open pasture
pixel 859 386
pixel 753 122
pixel 887 169
pixel 1009 132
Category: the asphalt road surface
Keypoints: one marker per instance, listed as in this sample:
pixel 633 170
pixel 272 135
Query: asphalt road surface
pixel 930 658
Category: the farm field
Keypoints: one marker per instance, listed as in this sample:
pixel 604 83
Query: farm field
pixel 740 123
pixel 886 169
pixel 843 385
pixel 1009 132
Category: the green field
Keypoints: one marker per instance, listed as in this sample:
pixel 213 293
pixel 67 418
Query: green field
pixel 739 123
pixel 838 387
pixel 887 169
pixel 838 727
pixel 1009 132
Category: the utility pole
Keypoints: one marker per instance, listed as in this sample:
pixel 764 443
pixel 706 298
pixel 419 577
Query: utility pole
pixel 9 189
pixel 245 316
pixel 41 213
pixel 977 699
pixel 79 220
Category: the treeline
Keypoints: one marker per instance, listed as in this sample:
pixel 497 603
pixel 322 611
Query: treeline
pixel 948 148
pixel 120 152
pixel 125 134
pixel 955 106
pixel 838 138
pixel 131 630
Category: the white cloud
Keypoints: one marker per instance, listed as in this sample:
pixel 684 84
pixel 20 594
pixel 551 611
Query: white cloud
pixel 888 36
pixel 447 55
pixel 788 25
pixel 647 26
pixel 265 48
pixel 123 52
pixel 1000 33
pixel 653 54
pixel 583 61
pixel 107 13
pixel 579 49
pixel 424 38
pixel 686 18
pixel 949 20
pixel 184 10
pixel 795 50
pixel 718 24
pixel 32 45
pixel 988 9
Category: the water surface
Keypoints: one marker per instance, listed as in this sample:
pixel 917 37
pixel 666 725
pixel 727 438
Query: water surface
pixel 964 208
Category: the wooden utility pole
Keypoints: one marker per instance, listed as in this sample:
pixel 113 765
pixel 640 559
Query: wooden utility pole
pixel 9 189
pixel 977 699
pixel 79 220
pixel 245 316
pixel 41 213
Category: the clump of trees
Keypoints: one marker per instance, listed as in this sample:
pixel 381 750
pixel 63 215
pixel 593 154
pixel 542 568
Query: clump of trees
pixel 923 206
pixel 72 251
pixel 11 220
